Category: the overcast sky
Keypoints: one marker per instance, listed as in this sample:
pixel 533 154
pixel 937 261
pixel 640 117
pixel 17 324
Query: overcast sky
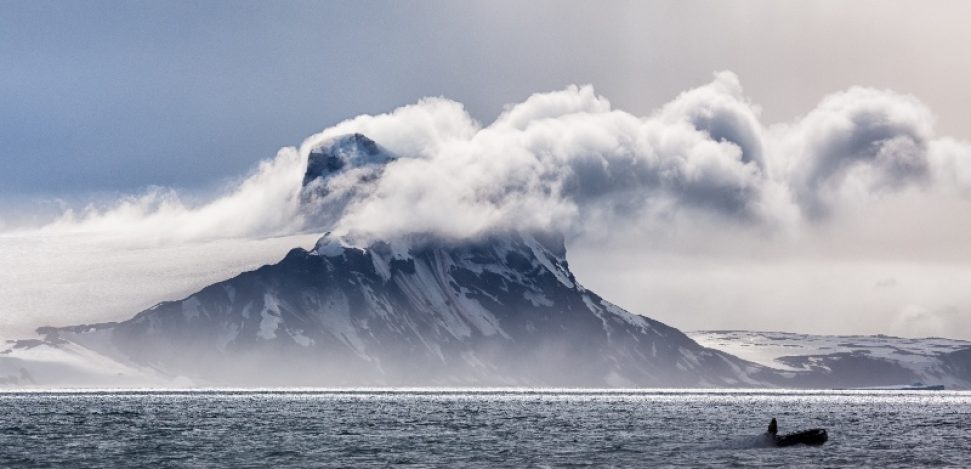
pixel 113 96
pixel 101 100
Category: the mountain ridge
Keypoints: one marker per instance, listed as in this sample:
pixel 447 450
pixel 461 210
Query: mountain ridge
pixel 505 310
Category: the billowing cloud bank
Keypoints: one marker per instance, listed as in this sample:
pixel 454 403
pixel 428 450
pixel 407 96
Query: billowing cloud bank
pixel 567 161
pixel 703 171
pixel 564 161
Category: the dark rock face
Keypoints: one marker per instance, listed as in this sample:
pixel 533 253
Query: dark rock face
pixel 341 152
pixel 848 370
pixel 338 171
pixel 958 363
pixel 499 311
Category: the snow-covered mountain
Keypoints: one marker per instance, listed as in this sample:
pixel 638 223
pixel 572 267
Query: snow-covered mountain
pixel 503 310
pixel 850 361
pixel 419 310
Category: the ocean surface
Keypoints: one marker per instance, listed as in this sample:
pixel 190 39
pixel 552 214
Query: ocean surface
pixel 501 428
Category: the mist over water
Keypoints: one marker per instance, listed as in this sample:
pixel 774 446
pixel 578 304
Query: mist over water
pixel 499 428
pixel 63 280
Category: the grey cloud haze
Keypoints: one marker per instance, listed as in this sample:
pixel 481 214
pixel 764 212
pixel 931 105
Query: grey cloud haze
pixel 562 160
pixel 703 179
pixel 565 159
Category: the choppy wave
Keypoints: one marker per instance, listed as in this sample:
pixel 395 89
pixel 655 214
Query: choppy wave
pixel 497 428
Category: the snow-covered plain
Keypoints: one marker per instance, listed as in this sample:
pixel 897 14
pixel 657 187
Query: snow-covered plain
pixel 35 363
pixel 766 348
pixel 800 352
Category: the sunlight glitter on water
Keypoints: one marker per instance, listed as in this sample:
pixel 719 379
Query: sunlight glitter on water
pixel 488 428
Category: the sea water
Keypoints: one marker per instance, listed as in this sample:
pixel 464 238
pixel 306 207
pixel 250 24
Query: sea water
pixel 496 428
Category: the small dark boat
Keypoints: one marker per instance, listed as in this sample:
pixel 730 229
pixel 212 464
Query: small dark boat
pixel 813 437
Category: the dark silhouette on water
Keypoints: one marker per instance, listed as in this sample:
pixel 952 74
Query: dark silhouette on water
pixel 811 437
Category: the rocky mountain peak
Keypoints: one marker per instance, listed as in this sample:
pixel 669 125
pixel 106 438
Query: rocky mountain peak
pixel 341 154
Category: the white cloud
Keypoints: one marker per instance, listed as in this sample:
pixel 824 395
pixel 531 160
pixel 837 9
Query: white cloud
pixel 700 174
pixel 266 203
pixel 854 146
pixel 566 160
pixel 559 160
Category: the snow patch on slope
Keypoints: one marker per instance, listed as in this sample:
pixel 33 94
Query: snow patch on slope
pixel 628 317
pixel 544 257
pixel 269 317
pixel 338 322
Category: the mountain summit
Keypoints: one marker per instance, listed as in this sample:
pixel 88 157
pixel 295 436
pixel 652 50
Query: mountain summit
pixel 341 154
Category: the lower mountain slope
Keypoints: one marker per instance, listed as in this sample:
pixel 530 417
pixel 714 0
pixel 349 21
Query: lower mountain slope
pixel 500 311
